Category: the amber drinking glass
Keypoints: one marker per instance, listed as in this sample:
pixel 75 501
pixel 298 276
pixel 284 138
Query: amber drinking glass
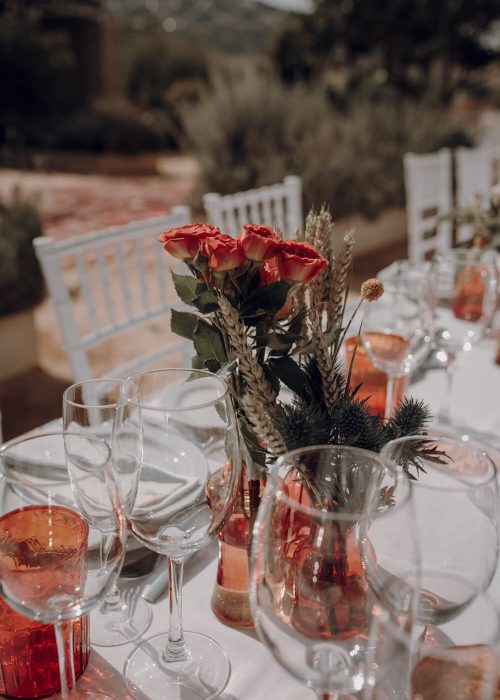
pixel 61 535
pixel 372 381
pixel 465 291
pixel 90 407
pixel 319 564
pixel 397 331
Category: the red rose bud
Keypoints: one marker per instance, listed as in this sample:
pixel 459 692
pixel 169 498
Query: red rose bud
pixel 184 241
pixel 299 262
pixel 259 242
pixel 223 253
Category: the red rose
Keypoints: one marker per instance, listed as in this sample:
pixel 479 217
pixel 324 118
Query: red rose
pixel 299 262
pixel 184 241
pixel 259 242
pixel 223 253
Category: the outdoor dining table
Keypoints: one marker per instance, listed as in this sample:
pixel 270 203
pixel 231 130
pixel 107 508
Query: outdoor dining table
pixel 255 675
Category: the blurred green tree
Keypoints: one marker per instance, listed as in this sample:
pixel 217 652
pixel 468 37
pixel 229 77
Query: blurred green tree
pixel 411 44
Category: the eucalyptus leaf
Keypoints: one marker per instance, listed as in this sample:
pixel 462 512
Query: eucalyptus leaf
pixel 206 302
pixel 289 373
pixel 268 299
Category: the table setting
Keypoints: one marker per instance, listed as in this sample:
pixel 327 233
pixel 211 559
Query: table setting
pixel 311 510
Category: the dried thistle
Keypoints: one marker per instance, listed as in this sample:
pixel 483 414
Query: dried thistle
pixel 372 289
pixel 340 282
pixel 262 424
pixel 253 373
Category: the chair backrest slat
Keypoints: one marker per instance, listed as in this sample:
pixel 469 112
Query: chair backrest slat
pixel 277 205
pixel 428 185
pixel 476 171
pixel 106 262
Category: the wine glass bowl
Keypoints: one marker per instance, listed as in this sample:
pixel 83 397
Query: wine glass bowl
pixel 456 508
pixel 89 407
pixel 56 562
pixel 334 523
pixel 180 429
pixel 397 329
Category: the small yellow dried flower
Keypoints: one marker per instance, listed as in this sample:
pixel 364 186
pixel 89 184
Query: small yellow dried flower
pixel 372 289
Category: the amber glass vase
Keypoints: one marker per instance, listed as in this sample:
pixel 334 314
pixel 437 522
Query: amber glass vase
pixel 230 601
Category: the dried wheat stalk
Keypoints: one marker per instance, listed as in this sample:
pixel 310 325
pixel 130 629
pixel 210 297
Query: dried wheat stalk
pixel 252 371
pixel 340 281
pixel 325 362
pixel 263 425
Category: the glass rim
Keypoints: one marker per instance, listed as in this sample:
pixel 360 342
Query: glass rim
pixel 56 433
pixel 332 516
pixel 132 381
pixel 93 382
pixel 461 484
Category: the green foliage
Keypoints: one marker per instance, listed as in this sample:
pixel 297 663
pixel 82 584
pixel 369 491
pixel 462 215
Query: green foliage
pixel 411 45
pixel 115 126
pixel 21 279
pixel 254 130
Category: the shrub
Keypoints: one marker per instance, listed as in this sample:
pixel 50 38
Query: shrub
pixel 21 279
pixel 253 130
pixel 116 126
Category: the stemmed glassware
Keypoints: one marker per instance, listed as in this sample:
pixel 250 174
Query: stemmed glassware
pixel 335 524
pixel 456 508
pixel 461 662
pixel 397 329
pixel 179 426
pixel 90 407
pixel 464 291
pixel 62 533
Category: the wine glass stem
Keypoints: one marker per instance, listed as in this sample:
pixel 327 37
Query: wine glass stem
pixel 112 602
pixel 64 641
pixel 389 396
pixel 444 415
pixel 176 649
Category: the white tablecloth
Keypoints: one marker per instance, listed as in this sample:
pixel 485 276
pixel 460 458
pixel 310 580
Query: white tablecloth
pixel 255 675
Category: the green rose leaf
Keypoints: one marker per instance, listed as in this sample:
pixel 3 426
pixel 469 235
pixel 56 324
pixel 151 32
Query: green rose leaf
pixel 289 373
pixel 206 302
pixel 268 299
pixel 209 343
pixel 188 288
pixel 183 323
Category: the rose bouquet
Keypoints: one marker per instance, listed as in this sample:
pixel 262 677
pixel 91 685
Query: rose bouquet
pixel 269 314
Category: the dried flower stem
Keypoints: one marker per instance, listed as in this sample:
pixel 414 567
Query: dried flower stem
pixel 252 371
pixel 262 424
pixel 325 362
pixel 323 244
pixel 310 230
pixel 339 288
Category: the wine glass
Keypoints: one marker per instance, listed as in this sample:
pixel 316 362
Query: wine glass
pixel 397 328
pixel 187 433
pixel 334 525
pixel 62 533
pixel 456 507
pixel 460 662
pixel 90 407
pixel 464 291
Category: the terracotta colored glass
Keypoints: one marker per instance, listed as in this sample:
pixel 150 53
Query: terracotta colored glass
pixel 29 667
pixel 468 293
pixel 230 601
pixel 373 381
pixel 39 560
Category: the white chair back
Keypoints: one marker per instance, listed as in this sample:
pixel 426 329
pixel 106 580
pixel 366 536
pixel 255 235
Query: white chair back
pixel 477 169
pixel 123 276
pixel 428 185
pixel 277 205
